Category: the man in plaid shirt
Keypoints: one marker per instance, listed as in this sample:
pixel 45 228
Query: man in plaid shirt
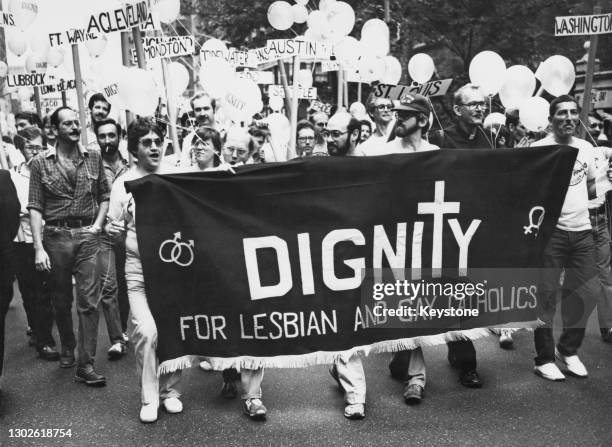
pixel 68 189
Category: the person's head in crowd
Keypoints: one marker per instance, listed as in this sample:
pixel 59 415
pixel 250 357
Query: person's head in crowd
pixel 366 130
pixel 48 130
pixel 66 126
pixel 342 134
pixel 305 138
pixel 320 120
pixel 380 110
pixel 563 115
pixel 596 126
pixel 25 119
pixel 518 132
pixel 108 135
pixel 237 146
pixel 29 141
pixel 503 138
pixel 469 106
pixel 206 147
pixel 145 139
pixel 259 137
pixel 412 115
pixel 203 107
pixel 99 108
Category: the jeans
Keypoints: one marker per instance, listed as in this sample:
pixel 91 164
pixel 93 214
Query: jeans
pixel 35 294
pixel 109 290
pixel 573 251
pixel 352 379
pixel 6 293
pixel 601 238
pixel 413 363
pixel 74 251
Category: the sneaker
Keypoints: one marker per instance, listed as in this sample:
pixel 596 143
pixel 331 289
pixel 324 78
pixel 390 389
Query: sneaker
pixel 89 377
pixel 505 339
pixel 117 351
pixel 254 408
pixel 229 390
pixel 573 365
pixel 413 394
pixel 148 413
pixel 354 411
pixel 606 335
pixel 173 405
pixel 549 371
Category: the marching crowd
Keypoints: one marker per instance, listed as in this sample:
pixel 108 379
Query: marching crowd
pixel 67 222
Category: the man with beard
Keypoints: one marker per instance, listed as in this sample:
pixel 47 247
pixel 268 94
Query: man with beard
pixel 68 188
pixel 571 248
pixel 203 108
pixel 112 254
pixel 342 135
pixel 99 108
pixel 381 112
pixel 470 108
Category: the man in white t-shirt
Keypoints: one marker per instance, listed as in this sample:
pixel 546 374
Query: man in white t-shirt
pixel 381 112
pixel 570 248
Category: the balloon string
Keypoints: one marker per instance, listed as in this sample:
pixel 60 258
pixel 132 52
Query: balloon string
pixel 433 109
pixel 177 34
pixel 588 133
pixel 493 140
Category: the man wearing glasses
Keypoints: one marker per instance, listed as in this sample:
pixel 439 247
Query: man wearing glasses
pixel 470 109
pixel 68 188
pixel 343 135
pixel 381 112
pixel 305 139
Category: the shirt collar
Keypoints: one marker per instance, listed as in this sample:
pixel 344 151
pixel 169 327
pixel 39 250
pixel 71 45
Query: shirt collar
pixel 52 152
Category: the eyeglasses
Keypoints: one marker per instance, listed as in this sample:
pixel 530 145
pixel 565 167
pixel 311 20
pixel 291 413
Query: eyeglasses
pixel 149 142
pixel 473 105
pixel 239 150
pixel 382 107
pixel 336 133
pixel 305 138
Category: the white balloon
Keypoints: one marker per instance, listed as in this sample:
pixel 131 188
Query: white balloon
pixel 421 67
pixel 214 45
pixel 487 70
pixel 393 70
pixel 324 5
pixel 299 13
pixel 242 100
pixel 357 109
pixel 302 2
pixel 167 10
pixel 3 69
pixel 55 57
pixel 24 12
pixel 276 103
pixel 518 85
pixel 347 51
pixel 304 78
pixel 17 43
pixel 341 18
pixel 558 75
pixel 494 120
pixel 318 26
pixel 533 114
pixel 280 15
pixel 370 68
pixel 39 43
pixel 374 29
pixel 179 78
pixel 280 128
pixel 96 46
pixel 138 91
pixel 35 62
pixel 108 82
pixel 215 77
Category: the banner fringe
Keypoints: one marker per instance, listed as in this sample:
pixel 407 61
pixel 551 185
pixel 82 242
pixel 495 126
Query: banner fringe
pixel 329 357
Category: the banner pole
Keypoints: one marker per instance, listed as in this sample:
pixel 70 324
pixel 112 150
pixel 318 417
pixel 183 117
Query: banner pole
pixel 588 78
pixel 346 92
pixel 37 101
pixel 283 76
pixel 64 99
pixel 359 91
pixel 125 58
pixel 291 151
pixel 3 157
pixel 339 97
pixel 78 79
pixel 170 105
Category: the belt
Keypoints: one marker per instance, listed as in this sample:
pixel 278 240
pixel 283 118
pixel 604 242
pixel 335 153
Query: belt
pixel 69 223
pixel 596 211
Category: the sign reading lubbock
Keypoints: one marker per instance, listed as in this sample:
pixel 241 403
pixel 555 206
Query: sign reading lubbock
pixel 303 93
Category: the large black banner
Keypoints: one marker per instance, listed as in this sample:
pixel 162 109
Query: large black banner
pixel 286 264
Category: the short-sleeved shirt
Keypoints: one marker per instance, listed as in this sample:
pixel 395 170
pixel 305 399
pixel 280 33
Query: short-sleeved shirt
pixel 575 212
pixel 54 193
pixel 21 179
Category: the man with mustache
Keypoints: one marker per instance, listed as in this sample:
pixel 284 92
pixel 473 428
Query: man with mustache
pixel 99 108
pixel 342 134
pixel 69 190
pixel 571 248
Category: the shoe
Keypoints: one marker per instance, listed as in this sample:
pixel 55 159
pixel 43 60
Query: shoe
pixel 471 379
pixel 606 335
pixel 126 339
pixel 354 411
pixel 505 339
pixel 173 405
pixel 573 365
pixel 48 353
pixel 89 377
pixel 148 413
pixel 229 390
pixel 549 371
pixel 66 359
pixel 254 408
pixel 117 351
pixel 413 394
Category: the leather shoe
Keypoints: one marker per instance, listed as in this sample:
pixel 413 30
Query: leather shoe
pixel 89 377
pixel 471 379
pixel 48 353
pixel 66 359
pixel 413 394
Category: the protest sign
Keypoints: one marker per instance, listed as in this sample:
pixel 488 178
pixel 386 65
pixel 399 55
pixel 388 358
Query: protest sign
pixel 303 93
pixel 320 106
pixel 166 47
pixel 236 58
pixel 6 19
pixel 278 49
pixel 583 25
pixel 395 92
pixel 269 263
pixel 329 66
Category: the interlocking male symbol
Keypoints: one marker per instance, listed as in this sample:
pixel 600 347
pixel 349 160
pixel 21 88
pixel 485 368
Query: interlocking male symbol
pixel 528 229
pixel 177 253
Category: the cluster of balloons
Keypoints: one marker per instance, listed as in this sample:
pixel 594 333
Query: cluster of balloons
pixel 516 84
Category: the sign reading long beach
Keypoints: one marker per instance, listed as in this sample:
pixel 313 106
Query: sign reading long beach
pixel 583 25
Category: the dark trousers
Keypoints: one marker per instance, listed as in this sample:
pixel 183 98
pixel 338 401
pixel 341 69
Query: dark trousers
pixel 122 295
pixel 109 290
pixel 35 294
pixel 601 238
pixel 75 252
pixel 573 251
pixel 462 354
pixel 6 293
